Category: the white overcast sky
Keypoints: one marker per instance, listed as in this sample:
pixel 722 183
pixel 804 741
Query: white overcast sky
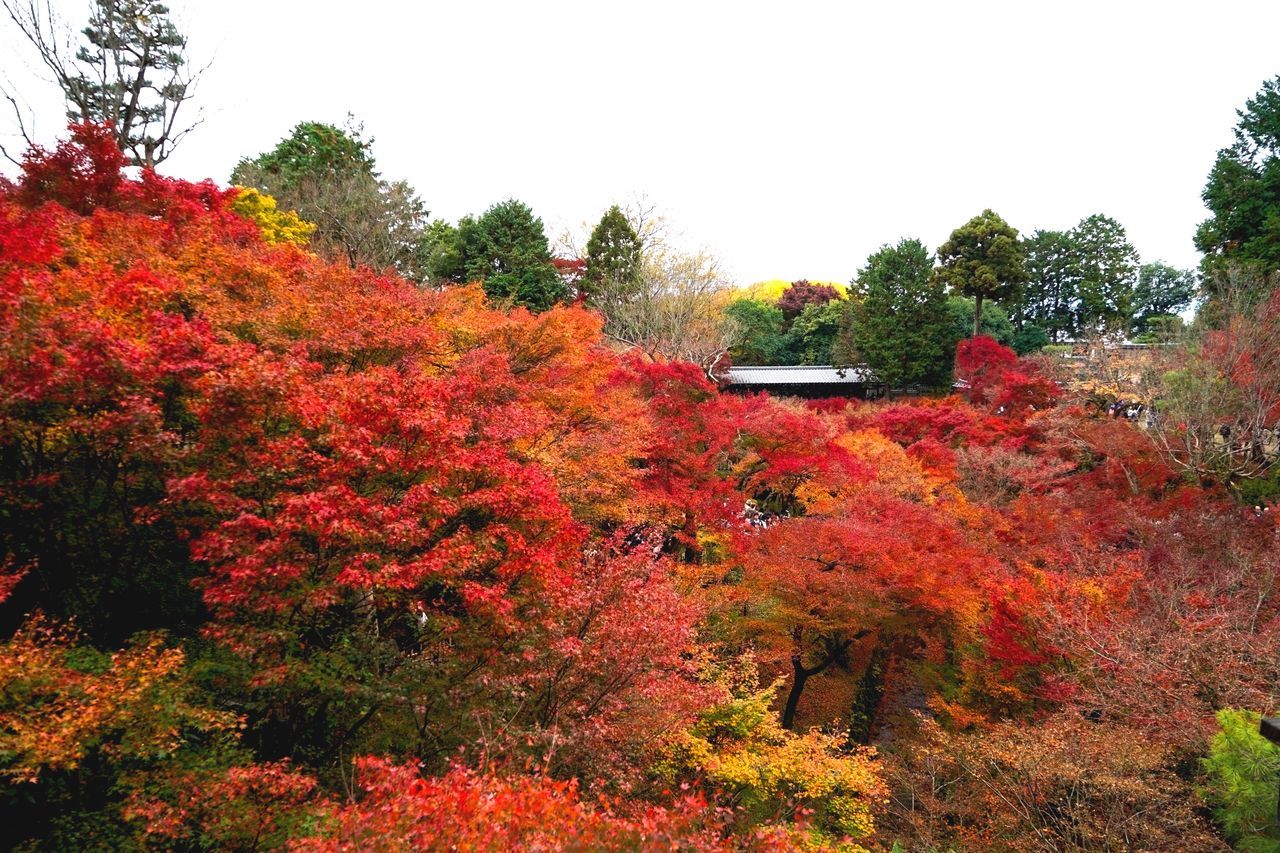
pixel 790 138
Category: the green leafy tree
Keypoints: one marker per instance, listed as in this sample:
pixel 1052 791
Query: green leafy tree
pixel 759 324
pixel 1029 338
pixel 898 317
pixel 329 176
pixel 1243 193
pixel 1107 265
pixel 1162 291
pixel 453 251
pixel 810 338
pixel 312 150
pixel 1161 329
pixel 983 259
pixel 1244 775
pixel 130 71
pixel 995 322
pixel 507 250
pixel 613 255
pixel 1050 296
pixel 844 352
pixel 442 245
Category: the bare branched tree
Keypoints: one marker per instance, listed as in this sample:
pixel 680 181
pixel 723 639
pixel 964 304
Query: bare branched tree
pixel 360 219
pixel 675 311
pixel 130 70
pixel 1217 405
pixel 642 214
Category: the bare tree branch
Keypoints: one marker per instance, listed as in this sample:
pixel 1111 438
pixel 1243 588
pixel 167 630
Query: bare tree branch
pixel 109 78
pixel 22 127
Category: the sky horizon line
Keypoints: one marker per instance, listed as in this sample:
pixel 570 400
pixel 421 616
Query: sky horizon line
pixel 791 145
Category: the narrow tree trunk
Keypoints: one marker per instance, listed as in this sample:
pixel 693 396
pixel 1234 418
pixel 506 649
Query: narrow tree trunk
pixel 801 675
pixel 977 314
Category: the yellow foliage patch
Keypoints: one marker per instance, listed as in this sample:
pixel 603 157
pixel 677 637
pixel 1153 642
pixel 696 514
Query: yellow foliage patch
pixel 740 749
pixel 278 226
pixel 60 702
pixel 771 291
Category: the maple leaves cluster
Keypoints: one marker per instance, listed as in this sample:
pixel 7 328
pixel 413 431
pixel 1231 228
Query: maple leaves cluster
pixel 374 565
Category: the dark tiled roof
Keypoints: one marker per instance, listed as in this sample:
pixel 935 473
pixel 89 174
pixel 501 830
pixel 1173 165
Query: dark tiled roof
pixel 816 375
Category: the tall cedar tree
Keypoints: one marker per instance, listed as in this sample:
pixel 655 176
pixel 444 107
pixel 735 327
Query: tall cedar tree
pixel 613 255
pixel 1086 278
pixel 1108 269
pixel 1051 295
pixel 983 259
pixel 507 250
pixel 1162 291
pixel 1243 192
pixel 899 320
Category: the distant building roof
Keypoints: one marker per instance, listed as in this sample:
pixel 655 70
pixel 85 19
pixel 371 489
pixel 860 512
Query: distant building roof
pixel 807 375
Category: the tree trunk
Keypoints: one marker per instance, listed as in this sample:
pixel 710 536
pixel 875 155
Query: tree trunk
pixel 977 315
pixel 835 650
pixel 801 675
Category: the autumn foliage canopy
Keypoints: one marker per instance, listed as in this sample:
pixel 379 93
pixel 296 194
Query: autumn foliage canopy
pixel 373 566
